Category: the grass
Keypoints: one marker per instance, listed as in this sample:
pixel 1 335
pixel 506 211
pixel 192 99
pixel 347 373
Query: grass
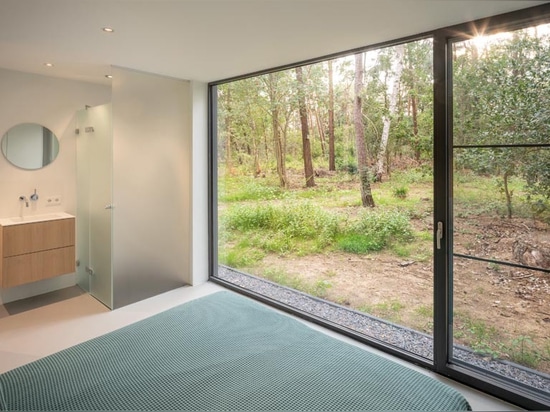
pixel 426 311
pixel 423 318
pixel 488 341
pixel 373 230
pixel 241 188
pixel 240 257
pixel 318 288
pixel 522 350
pixel 476 195
pixel 390 310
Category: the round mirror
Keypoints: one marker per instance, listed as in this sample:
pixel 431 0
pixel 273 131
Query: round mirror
pixel 30 146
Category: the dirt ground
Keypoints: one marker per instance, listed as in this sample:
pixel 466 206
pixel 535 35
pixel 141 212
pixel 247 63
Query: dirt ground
pixel 493 304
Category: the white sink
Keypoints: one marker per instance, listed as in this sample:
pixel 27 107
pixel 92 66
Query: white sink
pixel 34 218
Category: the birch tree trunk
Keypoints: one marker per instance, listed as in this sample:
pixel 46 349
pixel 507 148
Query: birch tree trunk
pixel 278 142
pixel 361 148
pixel 306 144
pixel 394 80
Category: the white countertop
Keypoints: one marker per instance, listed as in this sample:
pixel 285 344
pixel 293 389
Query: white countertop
pixel 17 220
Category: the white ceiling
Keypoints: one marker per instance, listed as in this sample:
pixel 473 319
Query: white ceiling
pixel 209 40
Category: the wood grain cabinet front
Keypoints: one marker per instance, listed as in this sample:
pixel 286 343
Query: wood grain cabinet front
pixel 35 251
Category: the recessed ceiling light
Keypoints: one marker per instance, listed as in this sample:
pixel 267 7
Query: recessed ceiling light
pixel 109 76
pixel 48 64
pixel 108 29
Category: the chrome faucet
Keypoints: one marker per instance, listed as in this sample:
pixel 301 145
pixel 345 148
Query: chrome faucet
pixel 24 199
pixel 34 196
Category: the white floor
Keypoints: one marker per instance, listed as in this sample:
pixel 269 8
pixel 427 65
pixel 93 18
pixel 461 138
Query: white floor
pixel 35 333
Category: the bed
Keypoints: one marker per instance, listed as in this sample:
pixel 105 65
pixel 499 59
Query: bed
pixel 221 352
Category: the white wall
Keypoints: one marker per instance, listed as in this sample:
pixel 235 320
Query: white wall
pixel 199 184
pixel 152 129
pixel 53 103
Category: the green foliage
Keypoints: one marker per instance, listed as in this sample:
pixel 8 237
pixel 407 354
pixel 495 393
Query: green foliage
pixel 348 167
pixel 400 192
pixel 479 336
pixel 284 227
pixel 318 288
pixel 414 175
pixel 401 250
pixel 240 255
pixel 502 97
pixel 486 340
pixel 482 195
pixel 246 189
pixel 426 311
pixel 375 229
pixel 539 207
pixel 359 244
pixel 386 310
pixel 522 350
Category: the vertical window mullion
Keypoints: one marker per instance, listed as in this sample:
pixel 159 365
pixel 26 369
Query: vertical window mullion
pixel 213 180
pixel 441 202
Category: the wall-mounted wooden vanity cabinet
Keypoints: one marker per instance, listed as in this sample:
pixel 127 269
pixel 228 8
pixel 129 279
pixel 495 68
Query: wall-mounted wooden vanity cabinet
pixel 32 251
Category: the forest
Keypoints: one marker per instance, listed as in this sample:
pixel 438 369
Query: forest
pixel 325 184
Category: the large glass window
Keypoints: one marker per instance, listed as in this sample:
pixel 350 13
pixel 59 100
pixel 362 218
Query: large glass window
pixel 328 177
pixel 325 186
pixel 501 204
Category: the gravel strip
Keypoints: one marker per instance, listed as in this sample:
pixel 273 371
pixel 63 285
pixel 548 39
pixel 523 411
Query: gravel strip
pixel 412 341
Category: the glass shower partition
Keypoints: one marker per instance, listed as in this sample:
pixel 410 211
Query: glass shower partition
pixel 94 209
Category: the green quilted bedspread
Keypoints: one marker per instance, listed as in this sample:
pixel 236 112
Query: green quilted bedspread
pixel 220 352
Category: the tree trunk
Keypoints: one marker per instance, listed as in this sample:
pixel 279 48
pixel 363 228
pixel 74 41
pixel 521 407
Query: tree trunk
pixel 255 146
pixel 228 137
pixel 306 144
pixel 508 195
pixel 278 143
pixel 392 105
pixel 415 127
pixel 321 132
pixel 331 154
pixel 361 148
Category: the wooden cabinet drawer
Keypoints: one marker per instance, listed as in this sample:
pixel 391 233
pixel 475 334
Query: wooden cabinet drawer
pixel 34 237
pixel 31 267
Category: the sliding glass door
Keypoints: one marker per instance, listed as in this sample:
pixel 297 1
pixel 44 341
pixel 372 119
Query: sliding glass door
pixel 500 318
pixel 295 150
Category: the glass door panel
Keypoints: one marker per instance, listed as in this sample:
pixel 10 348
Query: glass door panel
pixel 94 151
pixel 501 206
pixel 305 238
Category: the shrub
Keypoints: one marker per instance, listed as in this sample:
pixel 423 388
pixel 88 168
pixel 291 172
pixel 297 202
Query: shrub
pixel 285 227
pixel 350 168
pixel 401 192
pixel 359 244
pixel 375 230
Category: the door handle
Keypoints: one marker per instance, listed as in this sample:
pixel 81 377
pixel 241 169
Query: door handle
pixel 108 206
pixel 439 234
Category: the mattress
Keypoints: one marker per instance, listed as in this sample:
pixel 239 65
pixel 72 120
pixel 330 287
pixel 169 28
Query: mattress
pixel 221 352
